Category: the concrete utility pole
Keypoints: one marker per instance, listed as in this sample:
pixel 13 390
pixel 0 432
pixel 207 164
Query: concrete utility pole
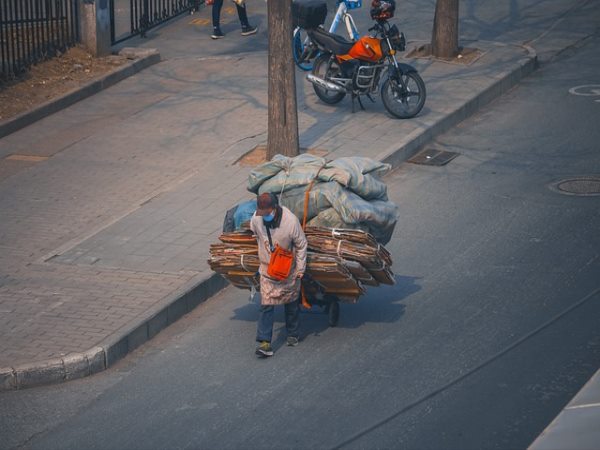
pixel 283 113
pixel 444 41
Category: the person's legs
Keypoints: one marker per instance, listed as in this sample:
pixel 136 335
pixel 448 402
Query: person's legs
pixel 264 330
pixel 247 29
pixel 216 18
pixel 216 13
pixel 292 319
pixel 241 11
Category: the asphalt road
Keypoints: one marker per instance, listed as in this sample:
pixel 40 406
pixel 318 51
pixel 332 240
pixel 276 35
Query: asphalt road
pixel 492 327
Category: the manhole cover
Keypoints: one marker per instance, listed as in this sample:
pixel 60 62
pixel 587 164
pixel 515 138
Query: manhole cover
pixel 589 185
pixel 433 157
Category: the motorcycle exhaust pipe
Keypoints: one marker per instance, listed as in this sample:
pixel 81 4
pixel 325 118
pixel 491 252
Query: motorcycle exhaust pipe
pixel 324 83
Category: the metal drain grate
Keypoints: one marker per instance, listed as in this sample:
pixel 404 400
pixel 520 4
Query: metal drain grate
pixel 584 186
pixel 433 157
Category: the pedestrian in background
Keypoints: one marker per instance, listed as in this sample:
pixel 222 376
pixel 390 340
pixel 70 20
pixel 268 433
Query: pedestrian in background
pixel 275 225
pixel 247 29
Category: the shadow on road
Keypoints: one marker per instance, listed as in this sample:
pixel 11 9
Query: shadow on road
pixel 379 305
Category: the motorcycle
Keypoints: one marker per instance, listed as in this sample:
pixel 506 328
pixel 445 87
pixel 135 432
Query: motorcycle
pixel 358 68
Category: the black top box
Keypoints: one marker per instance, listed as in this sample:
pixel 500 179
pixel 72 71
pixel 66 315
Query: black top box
pixel 309 14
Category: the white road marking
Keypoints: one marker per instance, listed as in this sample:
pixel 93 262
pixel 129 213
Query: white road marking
pixel 589 405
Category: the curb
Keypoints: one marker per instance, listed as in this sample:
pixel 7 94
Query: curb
pixel 116 346
pixel 141 59
pixel 185 299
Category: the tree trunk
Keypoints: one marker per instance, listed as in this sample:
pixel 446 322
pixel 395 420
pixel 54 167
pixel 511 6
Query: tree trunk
pixel 444 41
pixel 283 113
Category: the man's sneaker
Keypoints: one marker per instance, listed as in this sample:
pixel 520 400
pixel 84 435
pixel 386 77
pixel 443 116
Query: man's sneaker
pixel 247 31
pixel 217 34
pixel 292 341
pixel 264 349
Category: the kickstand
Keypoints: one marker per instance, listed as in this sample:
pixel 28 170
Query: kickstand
pixel 357 97
pixel 370 98
pixel 360 103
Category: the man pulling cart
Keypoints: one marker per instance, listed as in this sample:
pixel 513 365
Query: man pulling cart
pixel 336 252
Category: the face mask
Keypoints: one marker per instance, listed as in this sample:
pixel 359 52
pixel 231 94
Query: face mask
pixel 269 217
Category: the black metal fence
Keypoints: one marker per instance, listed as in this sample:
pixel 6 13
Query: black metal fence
pixel 143 15
pixel 34 30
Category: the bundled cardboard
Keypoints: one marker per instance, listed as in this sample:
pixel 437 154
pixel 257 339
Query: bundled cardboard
pixel 340 262
pixel 236 259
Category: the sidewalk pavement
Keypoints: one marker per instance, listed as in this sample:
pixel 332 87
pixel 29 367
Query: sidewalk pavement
pixel 109 206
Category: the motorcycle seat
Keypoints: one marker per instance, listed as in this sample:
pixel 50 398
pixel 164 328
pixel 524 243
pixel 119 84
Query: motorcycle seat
pixel 334 43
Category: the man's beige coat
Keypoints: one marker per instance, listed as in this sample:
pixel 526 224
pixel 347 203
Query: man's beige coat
pixel 288 235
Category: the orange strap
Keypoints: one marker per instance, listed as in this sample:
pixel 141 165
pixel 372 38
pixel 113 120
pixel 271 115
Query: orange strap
pixel 304 299
pixel 305 302
pixel 306 198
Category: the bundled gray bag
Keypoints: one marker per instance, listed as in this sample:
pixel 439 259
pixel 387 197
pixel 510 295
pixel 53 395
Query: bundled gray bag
pixel 346 192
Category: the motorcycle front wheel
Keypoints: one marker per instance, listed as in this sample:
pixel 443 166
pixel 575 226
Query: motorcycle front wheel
pixel 404 102
pixel 326 67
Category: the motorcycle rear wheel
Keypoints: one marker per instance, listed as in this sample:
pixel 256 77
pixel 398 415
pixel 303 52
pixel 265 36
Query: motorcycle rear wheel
pixel 326 67
pixel 404 103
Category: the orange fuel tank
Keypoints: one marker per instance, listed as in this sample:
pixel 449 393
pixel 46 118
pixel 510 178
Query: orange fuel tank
pixel 367 49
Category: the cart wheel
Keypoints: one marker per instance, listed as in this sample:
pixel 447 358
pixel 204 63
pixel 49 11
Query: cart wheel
pixel 334 313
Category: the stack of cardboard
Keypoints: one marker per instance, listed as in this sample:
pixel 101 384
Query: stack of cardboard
pixel 329 275
pixel 356 246
pixel 339 262
pixel 236 258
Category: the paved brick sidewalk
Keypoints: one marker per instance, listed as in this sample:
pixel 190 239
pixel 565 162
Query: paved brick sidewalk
pixel 103 236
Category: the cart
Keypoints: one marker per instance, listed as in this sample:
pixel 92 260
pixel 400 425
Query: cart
pixel 329 303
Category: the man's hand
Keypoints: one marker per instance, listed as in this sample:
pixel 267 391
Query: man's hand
pixel 299 274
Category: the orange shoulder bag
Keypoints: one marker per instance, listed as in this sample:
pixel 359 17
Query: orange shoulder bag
pixel 280 264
